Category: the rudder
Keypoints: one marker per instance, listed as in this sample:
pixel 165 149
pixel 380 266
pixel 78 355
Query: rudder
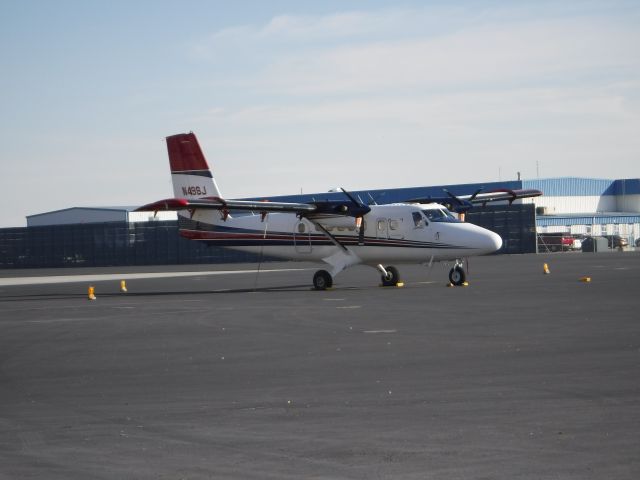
pixel 190 172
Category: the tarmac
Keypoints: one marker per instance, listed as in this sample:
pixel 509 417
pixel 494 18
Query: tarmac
pixel 254 375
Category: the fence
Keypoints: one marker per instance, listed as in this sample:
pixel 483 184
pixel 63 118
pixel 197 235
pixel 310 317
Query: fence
pixel 107 244
pixel 516 224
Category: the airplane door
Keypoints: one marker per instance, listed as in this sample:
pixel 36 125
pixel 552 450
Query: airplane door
pixel 396 228
pixel 302 237
pixel 390 228
pixel 381 228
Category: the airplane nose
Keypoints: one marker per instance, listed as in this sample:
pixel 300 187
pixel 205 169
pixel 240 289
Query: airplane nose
pixel 481 240
pixel 494 242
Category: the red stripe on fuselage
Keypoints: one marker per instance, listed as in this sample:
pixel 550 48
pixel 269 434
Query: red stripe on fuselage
pixel 241 238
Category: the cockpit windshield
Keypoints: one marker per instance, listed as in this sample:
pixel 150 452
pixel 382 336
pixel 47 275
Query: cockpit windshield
pixel 439 215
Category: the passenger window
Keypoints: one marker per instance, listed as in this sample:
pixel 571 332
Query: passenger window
pixel 381 225
pixel 393 224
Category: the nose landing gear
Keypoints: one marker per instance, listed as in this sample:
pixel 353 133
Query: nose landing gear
pixel 457 275
pixel 390 276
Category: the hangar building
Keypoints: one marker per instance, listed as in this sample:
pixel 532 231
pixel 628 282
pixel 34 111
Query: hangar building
pixel 78 215
pixel 588 206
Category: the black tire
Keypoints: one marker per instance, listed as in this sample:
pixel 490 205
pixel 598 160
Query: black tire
pixel 392 278
pixel 322 280
pixel 457 276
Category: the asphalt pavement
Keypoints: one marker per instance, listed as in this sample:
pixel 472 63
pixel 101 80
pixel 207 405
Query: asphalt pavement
pixel 254 375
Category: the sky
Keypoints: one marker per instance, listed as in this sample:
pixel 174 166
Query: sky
pixel 303 96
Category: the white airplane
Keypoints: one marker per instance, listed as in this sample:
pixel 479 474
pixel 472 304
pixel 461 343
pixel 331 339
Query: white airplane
pixel 340 234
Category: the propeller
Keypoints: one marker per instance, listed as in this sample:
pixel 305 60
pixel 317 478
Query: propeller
pixel 358 209
pixel 359 218
pixel 475 194
pixel 461 205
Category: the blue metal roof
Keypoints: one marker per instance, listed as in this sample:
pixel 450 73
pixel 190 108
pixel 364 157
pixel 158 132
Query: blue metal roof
pixel 572 186
pixel 577 187
pixel 395 195
pixel 550 187
pixel 563 220
pixel 627 186
pixel 106 209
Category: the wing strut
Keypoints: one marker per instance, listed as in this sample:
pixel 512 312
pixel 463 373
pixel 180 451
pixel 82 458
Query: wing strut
pixel 329 235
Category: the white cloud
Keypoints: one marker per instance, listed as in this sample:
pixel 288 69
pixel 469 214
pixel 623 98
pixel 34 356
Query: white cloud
pixel 354 52
pixel 308 29
pixel 526 108
pixel 492 56
pixel 478 90
pixel 340 25
pixel 449 138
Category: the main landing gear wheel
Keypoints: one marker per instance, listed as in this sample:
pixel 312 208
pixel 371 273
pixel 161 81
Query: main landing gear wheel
pixel 457 275
pixel 392 278
pixel 322 280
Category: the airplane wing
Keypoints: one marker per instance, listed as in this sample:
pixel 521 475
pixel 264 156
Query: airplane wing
pixel 462 203
pixel 501 194
pixel 217 203
pixel 310 210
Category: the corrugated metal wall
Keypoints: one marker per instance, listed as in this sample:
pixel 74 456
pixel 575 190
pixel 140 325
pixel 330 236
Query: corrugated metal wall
pixel 70 216
pixel 587 220
pixel 572 186
pixel 627 186
pixel 516 224
pixel 107 244
pixel 574 204
pixel 74 215
pixel 570 195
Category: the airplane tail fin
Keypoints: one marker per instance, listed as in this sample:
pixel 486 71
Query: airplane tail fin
pixel 190 173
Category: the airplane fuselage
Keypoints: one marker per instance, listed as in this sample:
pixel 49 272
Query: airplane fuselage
pixel 397 233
